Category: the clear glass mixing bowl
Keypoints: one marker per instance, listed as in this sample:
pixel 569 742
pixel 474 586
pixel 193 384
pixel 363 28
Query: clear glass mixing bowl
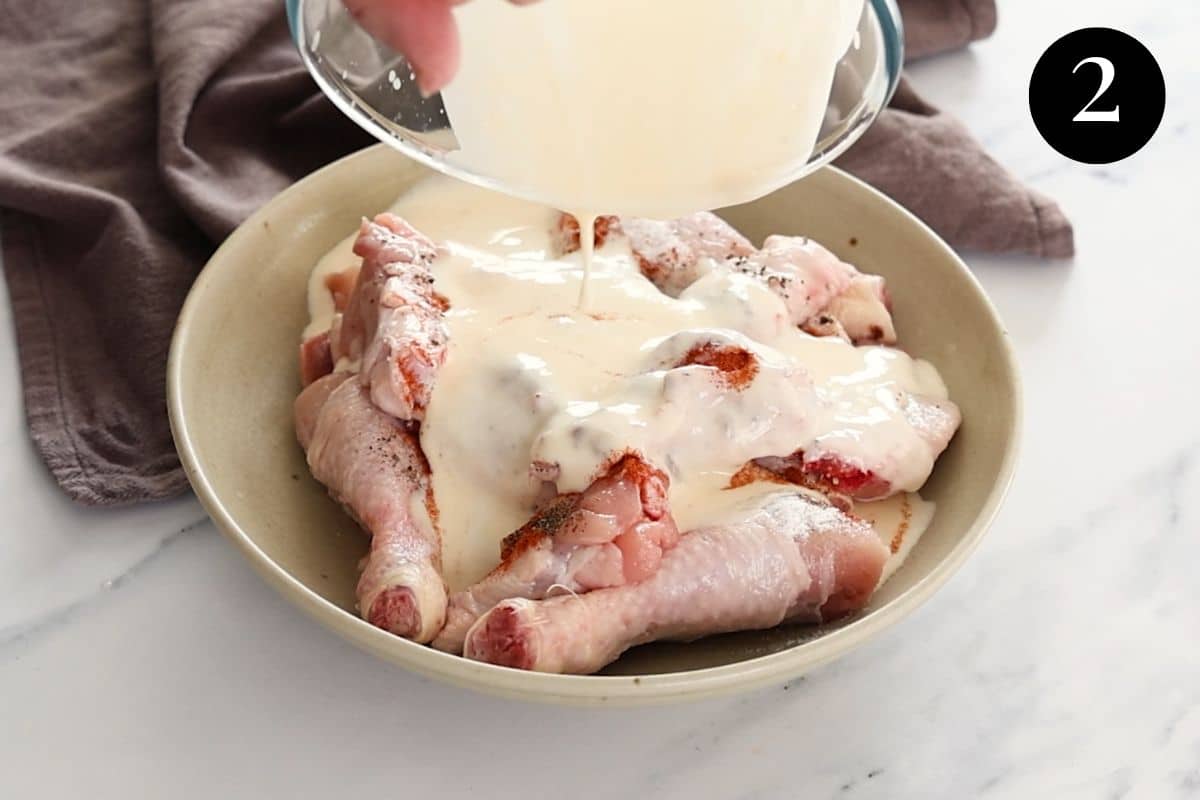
pixel 373 85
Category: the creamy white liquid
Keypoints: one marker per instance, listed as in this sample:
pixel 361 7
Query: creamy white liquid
pixel 587 250
pixel 525 365
pixel 653 108
pixel 899 521
pixel 320 300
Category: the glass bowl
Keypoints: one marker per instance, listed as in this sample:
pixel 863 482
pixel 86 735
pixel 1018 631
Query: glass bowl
pixel 373 85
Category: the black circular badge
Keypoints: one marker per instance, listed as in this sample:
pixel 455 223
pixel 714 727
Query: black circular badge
pixel 1097 95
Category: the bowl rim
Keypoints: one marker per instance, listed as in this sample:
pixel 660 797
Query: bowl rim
pixel 625 690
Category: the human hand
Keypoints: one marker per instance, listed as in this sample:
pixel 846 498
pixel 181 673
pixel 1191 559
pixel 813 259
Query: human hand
pixel 423 30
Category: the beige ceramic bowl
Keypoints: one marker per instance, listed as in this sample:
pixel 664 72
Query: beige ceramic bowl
pixel 233 375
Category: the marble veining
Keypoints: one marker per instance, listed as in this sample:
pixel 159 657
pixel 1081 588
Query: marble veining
pixel 33 625
pixel 141 656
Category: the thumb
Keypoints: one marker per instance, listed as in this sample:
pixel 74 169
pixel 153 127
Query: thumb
pixel 422 30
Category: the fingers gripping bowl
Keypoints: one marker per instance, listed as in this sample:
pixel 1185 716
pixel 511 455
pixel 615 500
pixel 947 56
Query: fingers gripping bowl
pixel 233 378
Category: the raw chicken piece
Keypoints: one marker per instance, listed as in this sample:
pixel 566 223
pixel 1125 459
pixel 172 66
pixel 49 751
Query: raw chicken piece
pixel 789 558
pixel 316 352
pixel 823 294
pixel 805 275
pixel 567 232
pixel 696 375
pixel 699 389
pixel 316 358
pixel 393 322
pixel 372 464
pixel 824 469
pixel 308 405
pixel 825 325
pixel 672 254
pixel 840 479
pixel 934 419
pixel 736 366
pixel 341 286
pixel 864 310
pixel 613 533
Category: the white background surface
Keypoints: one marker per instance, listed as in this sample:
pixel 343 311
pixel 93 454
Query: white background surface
pixel 139 656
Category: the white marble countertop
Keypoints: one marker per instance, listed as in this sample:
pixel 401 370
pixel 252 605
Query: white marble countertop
pixel 141 657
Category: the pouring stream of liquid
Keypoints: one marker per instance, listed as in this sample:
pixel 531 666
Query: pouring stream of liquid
pixel 587 247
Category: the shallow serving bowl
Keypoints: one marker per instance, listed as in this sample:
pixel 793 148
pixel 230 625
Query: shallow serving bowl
pixel 233 375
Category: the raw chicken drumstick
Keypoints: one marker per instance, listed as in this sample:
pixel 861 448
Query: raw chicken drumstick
pixel 372 464
pixel 789 558
pixel 613 533
pixel 361 430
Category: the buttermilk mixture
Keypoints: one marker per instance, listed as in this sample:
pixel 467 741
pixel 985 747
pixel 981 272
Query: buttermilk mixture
pixel 651 109
pixel 534 377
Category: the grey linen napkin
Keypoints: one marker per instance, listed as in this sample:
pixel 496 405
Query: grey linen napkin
pixel 136 134
pixel 930 163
